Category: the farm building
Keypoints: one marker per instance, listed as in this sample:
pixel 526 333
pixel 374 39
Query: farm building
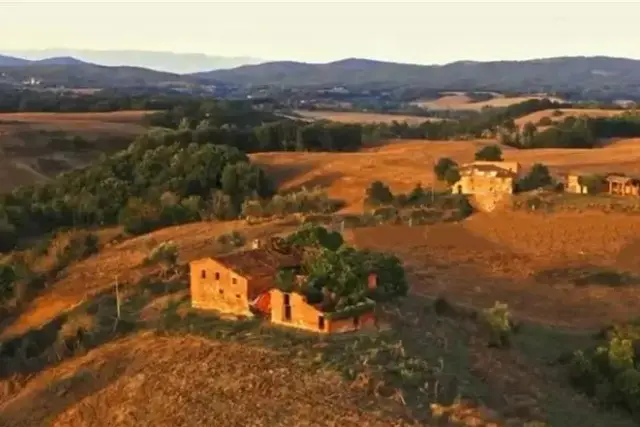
pixel 623 185
pixel 294 310
pixel 574 184
pixel 487 177
pixel 232 283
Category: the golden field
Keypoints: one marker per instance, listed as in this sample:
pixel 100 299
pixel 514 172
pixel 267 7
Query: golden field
pixel 354 117
pixel 461 101
pixel 566 112
pixel 403 164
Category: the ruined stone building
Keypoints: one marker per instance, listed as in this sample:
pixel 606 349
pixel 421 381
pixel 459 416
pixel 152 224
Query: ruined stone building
pixel 623 185
pixel 292 309
pixel 482 177
pixel 232 283
pixel 575 184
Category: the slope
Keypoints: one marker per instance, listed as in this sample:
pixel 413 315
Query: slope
pixel 603 75
pixel 403 164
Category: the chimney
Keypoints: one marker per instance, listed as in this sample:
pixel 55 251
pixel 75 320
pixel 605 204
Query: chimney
pixel 255 244
pixel 373 281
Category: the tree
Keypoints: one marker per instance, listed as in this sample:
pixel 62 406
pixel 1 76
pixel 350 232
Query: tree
pixel 165 255
pixel 528 133
pixel 379 194
pixel 491 153
pixel 452 176
pixel 444 164
pixel 537 177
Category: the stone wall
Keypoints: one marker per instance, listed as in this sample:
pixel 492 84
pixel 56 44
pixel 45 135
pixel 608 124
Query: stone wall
pixel 215 287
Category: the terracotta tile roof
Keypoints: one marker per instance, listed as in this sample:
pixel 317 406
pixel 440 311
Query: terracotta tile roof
pixel 258 262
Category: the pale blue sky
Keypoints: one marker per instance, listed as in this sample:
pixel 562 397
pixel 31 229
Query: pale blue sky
pixel 421 32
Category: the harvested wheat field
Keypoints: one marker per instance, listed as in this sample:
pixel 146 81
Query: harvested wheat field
pixel 146 380
pixel 529 260
pixel 462 101
pixel 349 117
pixel 566 112
pixel 403 164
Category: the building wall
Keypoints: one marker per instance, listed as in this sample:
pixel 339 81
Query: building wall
pixel 366 321
pixel 573 185
pixel 474 184
pixel 307 317
pixel 215 287
pixel 303 315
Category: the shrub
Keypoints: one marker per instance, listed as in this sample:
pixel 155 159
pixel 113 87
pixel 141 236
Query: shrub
pixel 234 239
pixel 557 113
pixel 545 121
pixel 497 318
pixel 452 176
pixel 378 194
pixel 8 236
pixel 537 177
pixel 307 201
pixel 443 166
pixel 165 255
pixel 491 153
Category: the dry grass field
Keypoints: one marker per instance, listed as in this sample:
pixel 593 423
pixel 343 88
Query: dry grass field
pixel 145 380
pixel 354 117
pixel 566 112
pixel 461 101
pixel 25 157
pixel 402 164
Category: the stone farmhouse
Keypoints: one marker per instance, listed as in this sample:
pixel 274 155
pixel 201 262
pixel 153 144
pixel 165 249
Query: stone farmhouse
pixel 574 184
pixel 483 177
pixel 244 284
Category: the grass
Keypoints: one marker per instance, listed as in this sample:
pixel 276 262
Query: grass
pixel 356 117
pixel 461 101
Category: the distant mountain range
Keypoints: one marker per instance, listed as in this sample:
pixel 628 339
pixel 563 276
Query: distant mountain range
pixel 597 77
pixel 178 63
pixel 539 75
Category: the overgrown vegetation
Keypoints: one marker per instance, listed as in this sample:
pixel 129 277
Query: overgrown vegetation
pixel 609 372
pixel 306 201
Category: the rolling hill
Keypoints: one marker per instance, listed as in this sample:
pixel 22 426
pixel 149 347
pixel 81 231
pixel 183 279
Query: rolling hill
pixel 596 76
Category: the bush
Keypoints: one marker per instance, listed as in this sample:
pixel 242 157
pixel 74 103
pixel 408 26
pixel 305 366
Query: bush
pixel 306 201
pixel 443 166
pixel 452 176
pixel 234 239
pixel 378 194
pixel 545 121
pixel 497 318
pixel 537 177
pixel 492 153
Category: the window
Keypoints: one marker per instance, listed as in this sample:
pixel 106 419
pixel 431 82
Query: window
pixel 286 299
pixel 238 296
pixel 203 274
pixel 221 291
pixel 234 280
pixel 321 323
pixel 217 276
pixel 356 322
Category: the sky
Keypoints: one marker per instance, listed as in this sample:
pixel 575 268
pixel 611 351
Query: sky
pixel 423 32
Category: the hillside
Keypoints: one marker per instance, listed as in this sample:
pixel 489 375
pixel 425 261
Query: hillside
pixel 595 76
pixel 402 164
pixel 76 74
pixel 36 146
pixel 170 62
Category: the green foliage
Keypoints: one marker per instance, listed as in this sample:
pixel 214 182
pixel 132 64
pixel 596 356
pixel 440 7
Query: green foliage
pixel 452 176
pixel 444 165
pixel 8 235
pixel 165 254
pixel 234 239
pixel 609 372
pixel 537 177
pixel 8 277
pixel 315 236
pixel 492 153
pixel 545 121
pixel 378 194
pixel 307 201
pixel 497 318
pixel 285 280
